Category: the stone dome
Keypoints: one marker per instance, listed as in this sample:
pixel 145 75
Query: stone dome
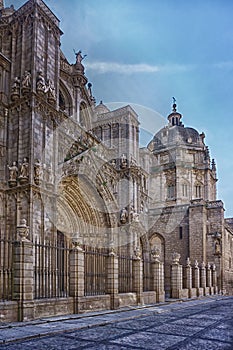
pixel 174 136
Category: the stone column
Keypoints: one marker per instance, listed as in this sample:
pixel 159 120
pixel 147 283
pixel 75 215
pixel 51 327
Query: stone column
pixel 188 274
pixel 214 276
pixel 112 279
pixel 23 277
pixel 76 264
pixel 203 275
pixel 176 276
pixel 208 275
pixel 196 275
pixel 138 275
pixel 158 277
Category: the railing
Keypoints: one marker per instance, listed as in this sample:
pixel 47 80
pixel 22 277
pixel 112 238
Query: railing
pixel 51 271
pixel 125 274
pixel 6 269
pixel 147 275
pixel 95 271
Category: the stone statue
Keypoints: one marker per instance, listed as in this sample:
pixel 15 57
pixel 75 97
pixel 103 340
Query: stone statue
pixel 26 80
pixel 37 171
pixel 175 258
pixel 15 90
pixel 188 262
pixel 155 253
pixel 217 247
pixel 50 174
pixel 23 230
pixel 134 216
pixel 40 85
pixel 123 161
pixel 137 253
pixel 79 57
pixel 202 265
pixel 51 90
pixel 123 215
pixel 24 171
pixel 13 172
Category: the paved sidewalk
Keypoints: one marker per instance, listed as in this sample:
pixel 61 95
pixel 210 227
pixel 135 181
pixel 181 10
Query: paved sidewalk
pixel 15 332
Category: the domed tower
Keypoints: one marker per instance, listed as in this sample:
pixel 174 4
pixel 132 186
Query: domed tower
pixel 181 167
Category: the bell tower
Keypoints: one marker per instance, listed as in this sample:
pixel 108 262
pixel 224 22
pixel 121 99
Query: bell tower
pixel 30 42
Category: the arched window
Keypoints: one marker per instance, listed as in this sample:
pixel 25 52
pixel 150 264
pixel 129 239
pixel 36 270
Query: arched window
pixel 184 189
pixel 198 191
pixel 65 99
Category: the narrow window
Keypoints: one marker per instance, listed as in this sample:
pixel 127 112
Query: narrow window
pixel 181 232
pixel 198 191
pixel 185 190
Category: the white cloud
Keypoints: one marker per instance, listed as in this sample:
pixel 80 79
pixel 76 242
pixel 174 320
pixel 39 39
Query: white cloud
pixel 124 68
pixel 121 68
pixel 224 65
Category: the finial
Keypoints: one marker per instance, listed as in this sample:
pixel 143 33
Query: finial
pixel 2 4
pixel 213 165
pixel 174 104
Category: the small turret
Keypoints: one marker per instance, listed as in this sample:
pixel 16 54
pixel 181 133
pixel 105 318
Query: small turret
pixel 175 117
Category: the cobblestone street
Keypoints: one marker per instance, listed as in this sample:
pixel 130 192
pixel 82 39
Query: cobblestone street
pixel 197 324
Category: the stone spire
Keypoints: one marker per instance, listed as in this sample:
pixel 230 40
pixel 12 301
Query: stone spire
pixel 1 4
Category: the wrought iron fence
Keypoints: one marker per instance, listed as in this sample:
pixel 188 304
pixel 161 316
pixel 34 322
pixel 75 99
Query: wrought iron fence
pixel 125 274
pixel 6 269
pixel 95 270
pixel 51 270
pixel 147 275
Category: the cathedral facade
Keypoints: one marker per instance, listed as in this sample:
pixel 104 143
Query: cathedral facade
pixel 88 219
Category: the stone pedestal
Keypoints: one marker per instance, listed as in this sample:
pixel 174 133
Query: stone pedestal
pixel 203 276
pixel 76 261
pixel 176 277
pixel 196 276
pixel 158 280
pixel 138 278
pixel 112 279
pixel 23 279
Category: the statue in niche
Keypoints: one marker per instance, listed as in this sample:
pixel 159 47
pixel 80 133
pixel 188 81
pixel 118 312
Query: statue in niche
pixel 217 247
pixel 24 169
pixel 123 161
pixel 40 85
pixel 37 171
pixel 15 90
pixel 13 172
pixel 51 91
pixel 26 81
pixel 49 174
pixel 134 216
pixel 124 215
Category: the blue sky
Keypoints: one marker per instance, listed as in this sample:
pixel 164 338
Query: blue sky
pixel 146 51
